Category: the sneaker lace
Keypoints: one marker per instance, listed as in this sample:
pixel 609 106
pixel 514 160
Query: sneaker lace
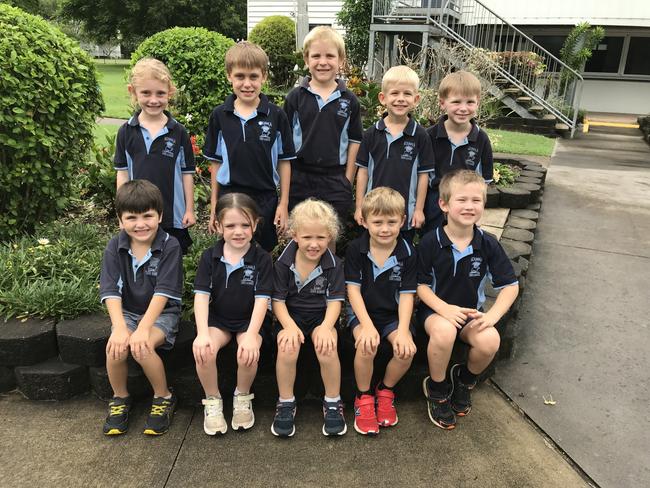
pixel 333 412
pixel 284 411
pixel 242 403
pixel 158 410
pixel 212 409
pixel 117 409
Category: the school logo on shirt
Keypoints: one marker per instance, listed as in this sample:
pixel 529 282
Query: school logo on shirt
pixel 152 268
pixel 475 270
pixel 265 130
pixel 344 107
pixel 248 275
pixel 396 273
pixel 471 156
pixel 319 286
pixel 409 151
pixel 168 150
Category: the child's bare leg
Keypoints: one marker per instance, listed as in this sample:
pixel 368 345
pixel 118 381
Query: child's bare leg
pixel 363 365
pixel 442 335
pixel 118 370
pixel 396 367
pixel 207 372
pixel 153 366
pixel 484 346
pixel 285 370
pixel 246 374
pixel 330 371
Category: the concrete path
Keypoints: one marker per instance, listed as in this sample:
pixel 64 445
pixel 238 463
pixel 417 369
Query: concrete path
pixel 60 444
pixel 584 328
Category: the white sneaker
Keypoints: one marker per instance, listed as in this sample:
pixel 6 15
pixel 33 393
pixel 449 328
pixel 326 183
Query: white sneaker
pixel 213 419
pixel 242 411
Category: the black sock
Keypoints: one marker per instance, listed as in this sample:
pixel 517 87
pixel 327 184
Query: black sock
pixel 382 386
pixel 441 388
pixel 466 376
pixel 360 393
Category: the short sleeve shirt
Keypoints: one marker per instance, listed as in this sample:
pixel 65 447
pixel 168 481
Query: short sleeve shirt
pixel 233 288
pixel 161 158
pixel 249 148
pixel 396 162
pixel 381 285
pixel 459 277
pixel 474 153
pixel 310 296
pixel 323 129
pixel 159 272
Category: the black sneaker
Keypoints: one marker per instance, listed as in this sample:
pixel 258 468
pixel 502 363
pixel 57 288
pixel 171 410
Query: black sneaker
pixel 461 399
pixel 334 423
pixel 160 416
pixel 117 421
pixel 283 425
pixel 438 407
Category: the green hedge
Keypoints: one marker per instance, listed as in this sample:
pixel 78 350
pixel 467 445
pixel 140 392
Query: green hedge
pixel 277 36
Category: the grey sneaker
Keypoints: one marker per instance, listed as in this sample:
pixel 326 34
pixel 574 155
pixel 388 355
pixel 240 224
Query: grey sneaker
pixel 213 419
pixel 283 425
pixel 242 411
pixel 334 420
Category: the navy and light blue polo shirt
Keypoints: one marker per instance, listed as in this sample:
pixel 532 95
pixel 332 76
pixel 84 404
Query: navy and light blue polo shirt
pixel 474 153
pixel 161 158
pixel 323 129
pixel 249 148
pixel 459 277
pixel 324 284
pixel 233 288
pixel 397 161
pixel 135 282
pixel 381 285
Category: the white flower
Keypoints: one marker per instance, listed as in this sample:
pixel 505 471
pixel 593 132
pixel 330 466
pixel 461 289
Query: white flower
pixel 43 242
pixel 188 117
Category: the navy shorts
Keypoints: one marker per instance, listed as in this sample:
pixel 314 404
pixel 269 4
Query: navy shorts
pixel 166 322
pixel 331 187
pixel 238 327
pixel 183 237
pixel 306 321
pixel 384 330
pixel 433 215
pixel 423 313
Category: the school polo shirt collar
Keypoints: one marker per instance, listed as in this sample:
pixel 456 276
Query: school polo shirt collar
pixel 249 257
pixel 401 252
pixel 340 85
pixel 442 132
pixel 123 242
pixel 262 108
pixel 409 129
pixel 288 256
pixel 474 245
pixel 171 121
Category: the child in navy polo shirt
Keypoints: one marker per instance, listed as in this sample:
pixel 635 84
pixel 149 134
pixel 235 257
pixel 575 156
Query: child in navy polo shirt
pixel 326 122
pixel 396 151
pixel 249 143
pixel 455 262
pixel 458 142
pixel 153 146
pixel 232 290
pixel 309 287
pixel 141 283
pixel 380 272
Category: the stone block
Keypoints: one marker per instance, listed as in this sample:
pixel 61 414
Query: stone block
pixel 518 234
pixel 529 179
pixel 514 198
pixel 523 263
pixel 535 190
pixel 493 197
pixel 7 379
pixel 187 387
pixel 52 380
pixel 181 354
pixel 535 205
pixel 26 343
pixel 519 223
pixel 494 217
pixel 83 340
pixel 534 173
pixel 136 382
pixel 515 249
pixel 495 231
pixel 525 214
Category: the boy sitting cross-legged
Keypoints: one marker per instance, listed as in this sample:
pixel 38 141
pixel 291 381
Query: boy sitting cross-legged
pixel 454 263
pixel 141 284
pixel 380 272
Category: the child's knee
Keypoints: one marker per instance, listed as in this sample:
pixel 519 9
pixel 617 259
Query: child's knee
pixel 121 358
pixel 367 355
pixel 488 342
pixel 330 359
pixel 442 332
pixel 288 356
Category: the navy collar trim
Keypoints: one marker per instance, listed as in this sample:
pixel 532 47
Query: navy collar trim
pixel 340 84
pixel 288 256
pixel 444 241
pixel 402 248
pixel 262 108
pixel 171 121
pixel 411 125
pixel 249 257
pixel 124 243
pixel 442 132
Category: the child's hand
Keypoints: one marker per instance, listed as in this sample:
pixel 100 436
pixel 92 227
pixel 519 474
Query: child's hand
pixel 140 344
pixel 418 219
pixel 403 345
pixel 118 344
pixel 357 216
pixel 212 224
pixel 289 339
pixel 189 219
pixel 324 340
pixel 481 321
pixel 280 220
pixel 367 339
pixel 248 349
pixel 456 315
pixel 202 348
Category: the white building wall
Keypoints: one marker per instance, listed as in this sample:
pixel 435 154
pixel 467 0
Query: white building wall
pixel 321 12
pixel 621 97
pixel 629 13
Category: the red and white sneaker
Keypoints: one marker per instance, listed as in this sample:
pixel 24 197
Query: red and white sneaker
pixel 365 418
pixel 386 413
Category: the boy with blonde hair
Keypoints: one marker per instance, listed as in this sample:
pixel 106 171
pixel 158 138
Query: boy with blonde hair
pixel 396 151
pixel 458 142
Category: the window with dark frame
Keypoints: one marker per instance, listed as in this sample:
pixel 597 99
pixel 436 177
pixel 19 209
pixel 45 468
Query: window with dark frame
pixel 606 57
pixel 637 62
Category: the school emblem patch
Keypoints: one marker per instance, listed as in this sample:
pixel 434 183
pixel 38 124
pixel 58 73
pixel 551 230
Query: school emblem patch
pixel 471 156
pixel 475 270
pixel 152 267
pixel 248 275
pixel 396 273
pixel 265 130
pixel 168 150
pixel 409 151
pixel 344 108
pixel 319 286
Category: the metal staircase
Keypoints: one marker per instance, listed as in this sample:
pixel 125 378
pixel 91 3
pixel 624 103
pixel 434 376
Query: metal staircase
pixel 542 83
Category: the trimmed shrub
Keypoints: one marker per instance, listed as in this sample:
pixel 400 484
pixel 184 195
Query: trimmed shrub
pixel 195 58
pixel 49 99
pixel 276 34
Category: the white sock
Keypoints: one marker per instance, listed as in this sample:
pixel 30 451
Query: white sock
pixel 333 399
pixel 287 400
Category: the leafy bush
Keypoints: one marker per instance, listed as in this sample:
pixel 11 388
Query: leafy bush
pixel 49 99
pixel 355 16
pixel 195 58
pixel 276 34
pixel 97 179
pixel 504 174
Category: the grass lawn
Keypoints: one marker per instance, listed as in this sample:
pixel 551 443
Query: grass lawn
pixel 520 143
pixel 103 130
pixel 112 80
